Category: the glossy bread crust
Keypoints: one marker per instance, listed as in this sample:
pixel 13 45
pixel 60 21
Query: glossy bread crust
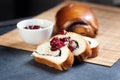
pixel 76 13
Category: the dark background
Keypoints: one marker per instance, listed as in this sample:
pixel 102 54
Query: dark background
pixel 14 9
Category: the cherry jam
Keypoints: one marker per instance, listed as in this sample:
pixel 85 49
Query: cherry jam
pixel 32 27
pixel 56 43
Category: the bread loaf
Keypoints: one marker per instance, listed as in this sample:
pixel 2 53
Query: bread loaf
pixel 77 17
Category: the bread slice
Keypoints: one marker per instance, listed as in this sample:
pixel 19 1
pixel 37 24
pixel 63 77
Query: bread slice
pixel 82 50
pixel 94 45
pixel 61 59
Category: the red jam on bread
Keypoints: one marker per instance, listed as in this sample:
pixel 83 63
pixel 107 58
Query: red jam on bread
pixel 56 43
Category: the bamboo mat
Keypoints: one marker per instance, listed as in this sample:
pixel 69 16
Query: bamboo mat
pixel 108 37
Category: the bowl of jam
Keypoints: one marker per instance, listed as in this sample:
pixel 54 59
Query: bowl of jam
pixel 35 31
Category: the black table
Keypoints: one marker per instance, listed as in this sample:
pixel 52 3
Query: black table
pixel 17 64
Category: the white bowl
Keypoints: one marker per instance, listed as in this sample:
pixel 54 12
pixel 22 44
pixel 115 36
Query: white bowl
pixel 35 36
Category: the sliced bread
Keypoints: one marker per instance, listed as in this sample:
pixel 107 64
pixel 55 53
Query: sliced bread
pixel 61 59
pixel 79 48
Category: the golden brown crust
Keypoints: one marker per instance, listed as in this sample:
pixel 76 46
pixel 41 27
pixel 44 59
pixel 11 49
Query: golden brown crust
pixel 95 52
pixel 75 13
pixel 83 30
pixel 64 66
pixel 69 61
pixel 46 62
pixel 87 53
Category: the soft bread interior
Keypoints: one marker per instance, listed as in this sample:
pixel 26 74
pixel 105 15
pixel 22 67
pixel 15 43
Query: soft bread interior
pixel 43 51
pixel 92 42
pixel 80 41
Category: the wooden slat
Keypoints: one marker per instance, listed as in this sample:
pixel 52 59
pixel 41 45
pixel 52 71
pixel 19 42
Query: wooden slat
pixel 108 37
pixel 12 39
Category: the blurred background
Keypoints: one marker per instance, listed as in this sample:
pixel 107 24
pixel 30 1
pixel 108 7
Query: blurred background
pixel 14 9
